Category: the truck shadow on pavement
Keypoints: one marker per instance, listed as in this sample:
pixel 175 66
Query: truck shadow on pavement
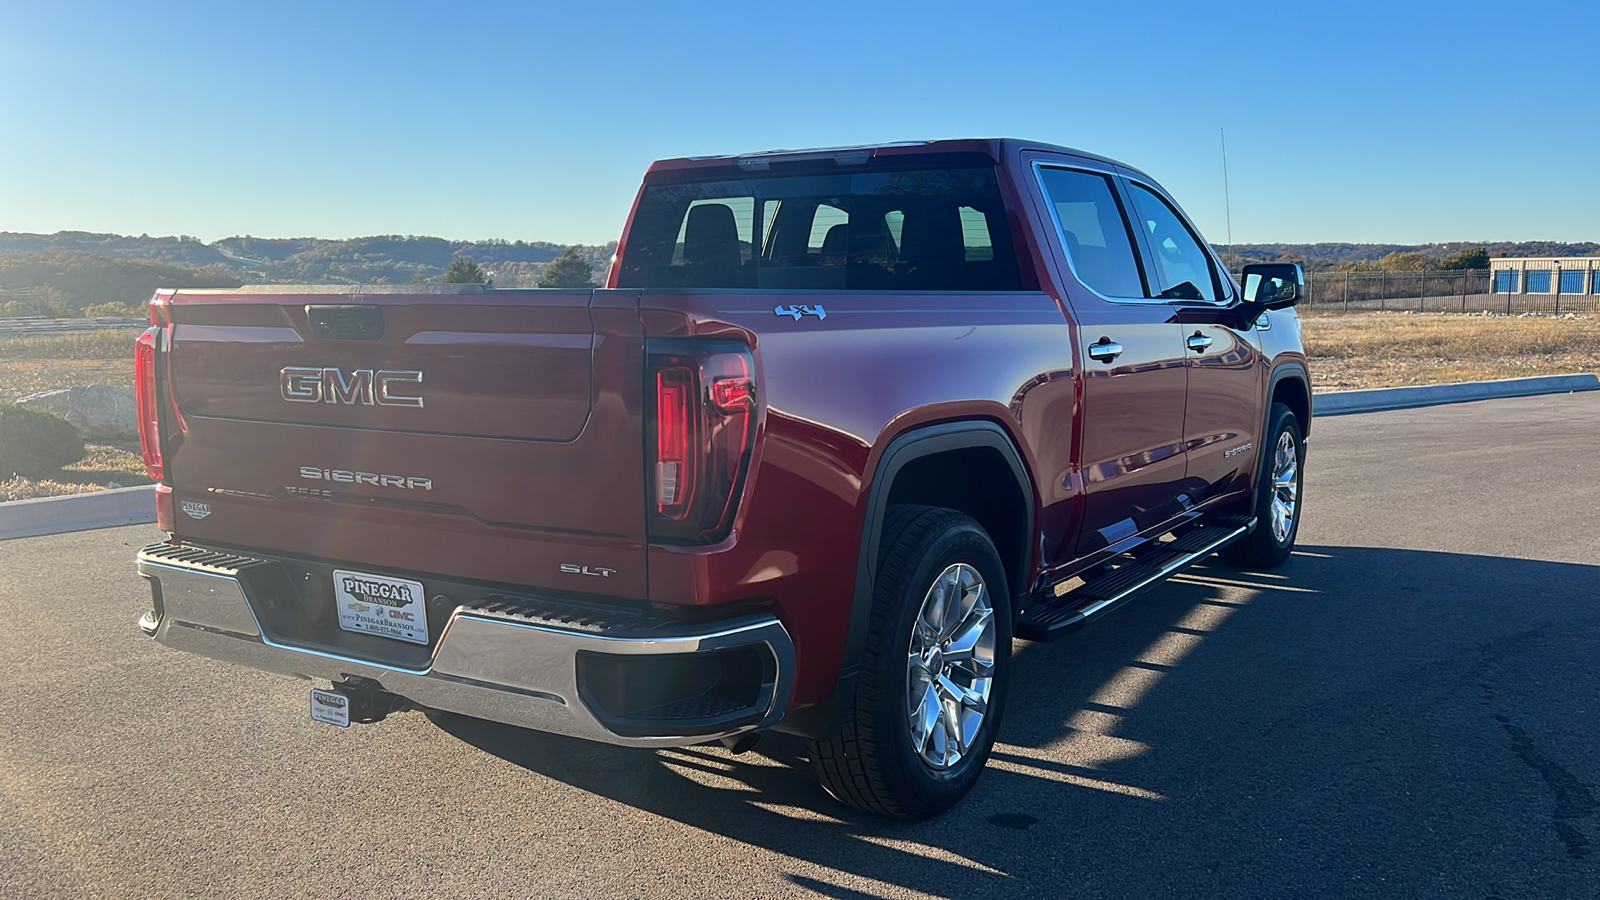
pixel 1274 727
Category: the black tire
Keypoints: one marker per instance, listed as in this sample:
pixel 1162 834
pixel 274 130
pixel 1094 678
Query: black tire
pixel 1264 547
pixel 870 760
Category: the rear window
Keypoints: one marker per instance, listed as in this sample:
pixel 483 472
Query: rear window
pixel 921 229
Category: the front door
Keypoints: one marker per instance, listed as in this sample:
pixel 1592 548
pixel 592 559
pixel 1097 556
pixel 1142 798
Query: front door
pixel 1222 416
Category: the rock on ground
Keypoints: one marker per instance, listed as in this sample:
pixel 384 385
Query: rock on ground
pixel 98 411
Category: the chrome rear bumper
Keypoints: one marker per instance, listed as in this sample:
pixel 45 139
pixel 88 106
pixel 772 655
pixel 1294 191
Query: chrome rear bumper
pixel 490 661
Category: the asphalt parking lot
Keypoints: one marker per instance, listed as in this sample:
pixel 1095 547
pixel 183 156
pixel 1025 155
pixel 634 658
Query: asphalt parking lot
pixel 1406 709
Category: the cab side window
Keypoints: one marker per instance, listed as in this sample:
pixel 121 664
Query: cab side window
pixel 1093 231
pixel 1182 268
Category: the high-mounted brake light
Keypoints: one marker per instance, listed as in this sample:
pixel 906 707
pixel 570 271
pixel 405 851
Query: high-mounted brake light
pixel 144 389
pixel 161 308
pixel 702 428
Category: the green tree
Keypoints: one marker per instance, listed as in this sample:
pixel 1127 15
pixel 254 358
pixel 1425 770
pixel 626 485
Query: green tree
pixel 114 308
pixel 568 270
pixel 465 270
pixel 1476 258
pixel 1404 262
pixel 420 276
pixel 53 301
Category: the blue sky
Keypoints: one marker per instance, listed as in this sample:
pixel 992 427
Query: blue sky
pixel 1353 121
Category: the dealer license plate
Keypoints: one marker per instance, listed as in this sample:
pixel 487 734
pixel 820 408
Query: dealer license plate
pixel 331 707
pixel 380 605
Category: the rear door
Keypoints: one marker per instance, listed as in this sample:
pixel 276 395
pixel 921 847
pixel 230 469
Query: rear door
pixel 494 435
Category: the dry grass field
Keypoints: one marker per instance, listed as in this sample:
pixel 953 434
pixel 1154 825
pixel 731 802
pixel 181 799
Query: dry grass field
pixel 1375 350
pixel 32 364
pixel 103 466
pixel 1348 352
pixel 29 365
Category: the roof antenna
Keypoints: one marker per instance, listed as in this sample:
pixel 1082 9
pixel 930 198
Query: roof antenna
pixel 1227 200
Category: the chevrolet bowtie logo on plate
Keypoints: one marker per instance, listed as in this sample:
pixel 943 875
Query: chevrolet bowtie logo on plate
pixel 362 387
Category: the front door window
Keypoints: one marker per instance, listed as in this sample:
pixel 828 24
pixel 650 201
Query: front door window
pixel 1182 267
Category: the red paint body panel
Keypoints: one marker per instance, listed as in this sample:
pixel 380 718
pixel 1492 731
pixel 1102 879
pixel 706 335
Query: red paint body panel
pixel 534 435
pixel 493 368
pixel 914 359
pixel 529 441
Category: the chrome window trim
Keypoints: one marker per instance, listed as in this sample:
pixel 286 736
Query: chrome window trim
pixel 1039 166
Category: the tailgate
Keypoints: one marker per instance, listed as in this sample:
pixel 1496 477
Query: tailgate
pixel 488 434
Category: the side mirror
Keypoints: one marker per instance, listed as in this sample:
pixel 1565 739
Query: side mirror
pixel 1273 285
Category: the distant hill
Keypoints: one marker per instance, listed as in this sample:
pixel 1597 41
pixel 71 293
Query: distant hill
pixel 74 269
pixel 64 282
pixel 1335 256
pixel 65 272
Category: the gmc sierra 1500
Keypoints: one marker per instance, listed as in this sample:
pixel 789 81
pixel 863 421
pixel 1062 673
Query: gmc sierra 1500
pixel 840 426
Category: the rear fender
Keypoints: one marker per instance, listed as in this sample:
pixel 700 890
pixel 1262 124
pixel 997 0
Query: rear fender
pixel 817 721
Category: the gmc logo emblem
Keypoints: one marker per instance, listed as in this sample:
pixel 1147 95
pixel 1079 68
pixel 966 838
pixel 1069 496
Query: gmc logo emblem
pixel 362 387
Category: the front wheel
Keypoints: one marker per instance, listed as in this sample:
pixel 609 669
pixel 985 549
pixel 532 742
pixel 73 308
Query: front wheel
pixel 1278 497
pixel 917 728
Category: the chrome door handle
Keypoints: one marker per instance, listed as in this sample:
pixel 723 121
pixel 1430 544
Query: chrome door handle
pixel 1105 351
pixel 1198 342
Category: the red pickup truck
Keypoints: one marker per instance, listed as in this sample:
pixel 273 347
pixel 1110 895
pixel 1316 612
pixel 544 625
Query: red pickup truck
pixel 840 426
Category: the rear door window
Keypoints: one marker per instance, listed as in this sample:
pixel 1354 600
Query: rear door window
pixel 1094 232
pixel 895 230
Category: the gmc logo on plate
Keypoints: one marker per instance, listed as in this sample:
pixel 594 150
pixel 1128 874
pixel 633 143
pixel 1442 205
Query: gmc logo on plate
pixel 362 387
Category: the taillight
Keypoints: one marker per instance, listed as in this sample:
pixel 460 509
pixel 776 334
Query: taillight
pixel 144 388
pixel 702 427
pixel 677 440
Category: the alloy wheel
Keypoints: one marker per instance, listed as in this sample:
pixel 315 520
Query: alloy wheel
pixel 1285 486
pixel 950 666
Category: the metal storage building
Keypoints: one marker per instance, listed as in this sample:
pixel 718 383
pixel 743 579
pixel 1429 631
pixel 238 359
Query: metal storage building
pixel 1545 275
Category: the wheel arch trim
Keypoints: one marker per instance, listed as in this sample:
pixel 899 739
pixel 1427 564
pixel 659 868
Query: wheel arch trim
pixel 1292 371
pixel 920 443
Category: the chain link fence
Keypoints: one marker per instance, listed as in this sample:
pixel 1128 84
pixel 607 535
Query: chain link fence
pixel 1460 292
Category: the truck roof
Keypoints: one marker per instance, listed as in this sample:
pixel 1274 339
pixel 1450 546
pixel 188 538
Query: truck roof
pixel 995 148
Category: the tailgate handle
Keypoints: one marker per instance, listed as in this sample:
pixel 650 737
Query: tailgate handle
pixel 345 322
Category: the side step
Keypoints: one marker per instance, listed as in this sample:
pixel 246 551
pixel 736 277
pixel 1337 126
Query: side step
pixel 1154 563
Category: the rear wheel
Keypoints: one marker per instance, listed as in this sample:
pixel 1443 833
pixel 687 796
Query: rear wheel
pixel 1278 499
pixel 917 728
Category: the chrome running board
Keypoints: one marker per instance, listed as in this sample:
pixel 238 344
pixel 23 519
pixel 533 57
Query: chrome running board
pixel 1157 561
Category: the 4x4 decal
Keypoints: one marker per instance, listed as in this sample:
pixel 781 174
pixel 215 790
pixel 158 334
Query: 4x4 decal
pixel 798 311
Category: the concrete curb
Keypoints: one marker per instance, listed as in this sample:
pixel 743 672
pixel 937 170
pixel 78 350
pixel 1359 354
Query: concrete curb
pixel 78 512
pixel 1341 403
